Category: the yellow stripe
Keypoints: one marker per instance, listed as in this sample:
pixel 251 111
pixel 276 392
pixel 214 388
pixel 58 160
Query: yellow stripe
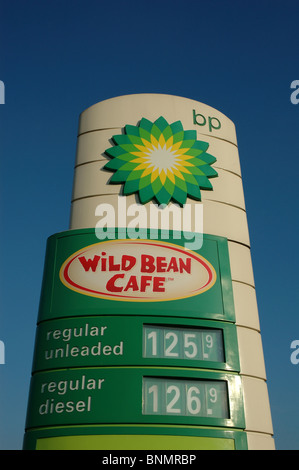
pixel 169 142
pixel 186 157
pixel 142 166
pixel 155 175
pixel 176 146
pixel 184 170
pixel 163 176
pixel 177 173
pixel 162 140
pixel 171 176
pixel 154 141
pixel 138 154
pixel 181 151
pixel 142 148
pixel 147 144
pixel 147 171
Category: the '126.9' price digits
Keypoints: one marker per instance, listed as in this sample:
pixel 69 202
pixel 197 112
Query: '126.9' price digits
pixel 163 396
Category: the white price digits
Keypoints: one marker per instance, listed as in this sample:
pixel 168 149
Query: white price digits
pixel 175 398
pixel 209 341
pixel 185 398
pixel 174 341
pixel 189 343
pixel 193 401
pixel 179 343
pixel 153 337
pixel 154 391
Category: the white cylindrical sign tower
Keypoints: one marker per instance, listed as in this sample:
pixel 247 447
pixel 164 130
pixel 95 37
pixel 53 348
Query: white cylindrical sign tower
pixel 148 332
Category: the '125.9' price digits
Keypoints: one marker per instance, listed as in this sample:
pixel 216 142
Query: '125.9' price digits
pixel 183 343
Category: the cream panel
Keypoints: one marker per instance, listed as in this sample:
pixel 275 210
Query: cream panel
pixel 246 308
pixel 251 353
pixel 257 441
pixel 129 109
pixel 92 145
pixel 227 154
pixel 226 221
pixel 227 188
pixel 256 404
pixel 240 263
pixel 91 180
pixel 218 219
pixel 83 214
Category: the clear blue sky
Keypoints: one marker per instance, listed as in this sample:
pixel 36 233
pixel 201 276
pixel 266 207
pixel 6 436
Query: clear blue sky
pixel 59 57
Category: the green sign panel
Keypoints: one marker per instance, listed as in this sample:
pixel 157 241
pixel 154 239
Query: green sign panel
pixel 132 437
pixel 135 395
pixel 138 336
pixel 132 277
pixel 100 341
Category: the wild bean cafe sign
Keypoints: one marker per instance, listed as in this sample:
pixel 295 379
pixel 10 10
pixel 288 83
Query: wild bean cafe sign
pixel 123 276
pixel 142 270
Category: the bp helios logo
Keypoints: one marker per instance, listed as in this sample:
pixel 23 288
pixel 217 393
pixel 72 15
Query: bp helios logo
pixel 160 161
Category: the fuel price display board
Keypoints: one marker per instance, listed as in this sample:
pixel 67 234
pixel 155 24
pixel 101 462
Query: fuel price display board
pixel 117 340
pixel 105 355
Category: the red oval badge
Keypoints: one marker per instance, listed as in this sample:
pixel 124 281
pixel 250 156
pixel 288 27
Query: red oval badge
pixel 137 270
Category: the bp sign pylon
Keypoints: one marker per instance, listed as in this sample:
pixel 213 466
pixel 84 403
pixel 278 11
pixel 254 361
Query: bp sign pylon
pixel 148 331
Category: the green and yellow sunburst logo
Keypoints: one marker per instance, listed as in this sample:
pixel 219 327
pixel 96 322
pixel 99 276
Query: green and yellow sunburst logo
pixel 160 161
